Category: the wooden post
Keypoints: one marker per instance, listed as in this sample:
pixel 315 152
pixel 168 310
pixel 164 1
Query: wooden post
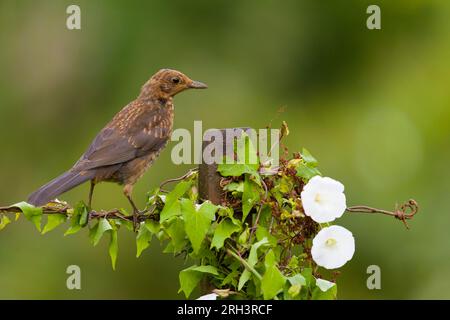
pixel 209 185
pixel 208 177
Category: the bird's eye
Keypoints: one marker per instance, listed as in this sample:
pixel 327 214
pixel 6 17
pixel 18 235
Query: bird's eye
pixel 176 80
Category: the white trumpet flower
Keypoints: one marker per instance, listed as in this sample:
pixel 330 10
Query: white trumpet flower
pixel 333 247
pixel 323 199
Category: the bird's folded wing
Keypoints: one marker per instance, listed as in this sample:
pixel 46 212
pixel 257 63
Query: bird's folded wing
pixel 112 147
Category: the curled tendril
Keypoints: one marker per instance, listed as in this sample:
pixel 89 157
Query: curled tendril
pixel 403 212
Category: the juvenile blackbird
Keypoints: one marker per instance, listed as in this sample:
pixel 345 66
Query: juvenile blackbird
pixel 126 147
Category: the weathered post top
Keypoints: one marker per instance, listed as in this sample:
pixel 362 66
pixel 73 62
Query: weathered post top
pixel 209 179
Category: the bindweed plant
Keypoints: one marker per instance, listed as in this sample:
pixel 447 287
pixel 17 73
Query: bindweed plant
pixel 270 238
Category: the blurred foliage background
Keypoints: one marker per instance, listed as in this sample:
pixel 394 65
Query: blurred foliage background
pixel 372 106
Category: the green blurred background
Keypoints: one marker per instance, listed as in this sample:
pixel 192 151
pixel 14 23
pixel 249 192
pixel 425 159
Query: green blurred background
pixel 372 106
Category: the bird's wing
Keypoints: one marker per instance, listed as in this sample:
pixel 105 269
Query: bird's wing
pixel 113 146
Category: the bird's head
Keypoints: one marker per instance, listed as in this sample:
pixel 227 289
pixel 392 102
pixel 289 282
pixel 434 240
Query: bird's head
pixel 167 83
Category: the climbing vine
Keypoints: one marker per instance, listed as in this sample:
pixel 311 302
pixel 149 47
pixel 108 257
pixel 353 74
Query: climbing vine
pixel 270 238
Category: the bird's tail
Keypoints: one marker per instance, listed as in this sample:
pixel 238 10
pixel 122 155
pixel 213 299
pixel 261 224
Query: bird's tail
pixel 57 186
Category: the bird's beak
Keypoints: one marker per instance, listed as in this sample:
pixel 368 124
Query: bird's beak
pixel 197 85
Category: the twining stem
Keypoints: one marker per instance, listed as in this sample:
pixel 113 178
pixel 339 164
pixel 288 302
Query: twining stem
pixel 404 212
pixel 244 263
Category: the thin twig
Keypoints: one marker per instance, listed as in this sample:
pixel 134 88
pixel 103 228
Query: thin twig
pixel 58 208
pixel 187 174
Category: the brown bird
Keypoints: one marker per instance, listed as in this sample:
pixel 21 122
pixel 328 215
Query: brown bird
pixel 126 147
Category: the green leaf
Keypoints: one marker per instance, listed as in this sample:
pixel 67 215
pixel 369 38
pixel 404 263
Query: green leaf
pixel 196 223
pixel 172 205
pixel 113 248
pixel 153 226
pixel 223 231
pixel 250 197
pixel 4 221
pixel 306 172
pixel 262 232
pixel 32 213
pixel 247 159
pixel 127 224
pixel 84 214
pixel 324 290
pixel 177 234
pixel 308 158
pixel 80 214
pixel 232 277
pixel 72 229
pixel 309 278
pixel 234 186
pixel 54 220
pixel 99 229
pixel 252 260
pixel 324 285
pixel 294 291
pixel 245 276
pixel 253 256
pixel 208 210
pixel 297 279
pixel 142 240
pixel 190 277
pixel 236 170
pixel 273 281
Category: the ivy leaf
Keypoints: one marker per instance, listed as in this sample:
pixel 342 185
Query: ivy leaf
pixel 235 186
pixel 306 172
pixel 245 276
pixel 113 249
pixel 324 290
pixel 177 235
pixel 253 256
pixel 309 278
pixel 262 232
pixel 84 214
pixel 232 277
pixel 297 279
pixel 223 231
pixel 190 277
pixel 98 230
pixel 306 168
pixel 235 169
pixel 273 281
pixel 324 285
pixel 247 160
pixel 252 260
pixel 152 226
pixel 4 221
pixel 54 220
pixel 142 240
pixel 208 210
pixel 32 213
pixel 196 223
pixel 80 210
pixel 308 158
pixel 250 197
pixel 172 205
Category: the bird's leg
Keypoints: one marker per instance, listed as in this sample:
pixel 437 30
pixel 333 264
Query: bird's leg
pixel 91 193
pixel 128 190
